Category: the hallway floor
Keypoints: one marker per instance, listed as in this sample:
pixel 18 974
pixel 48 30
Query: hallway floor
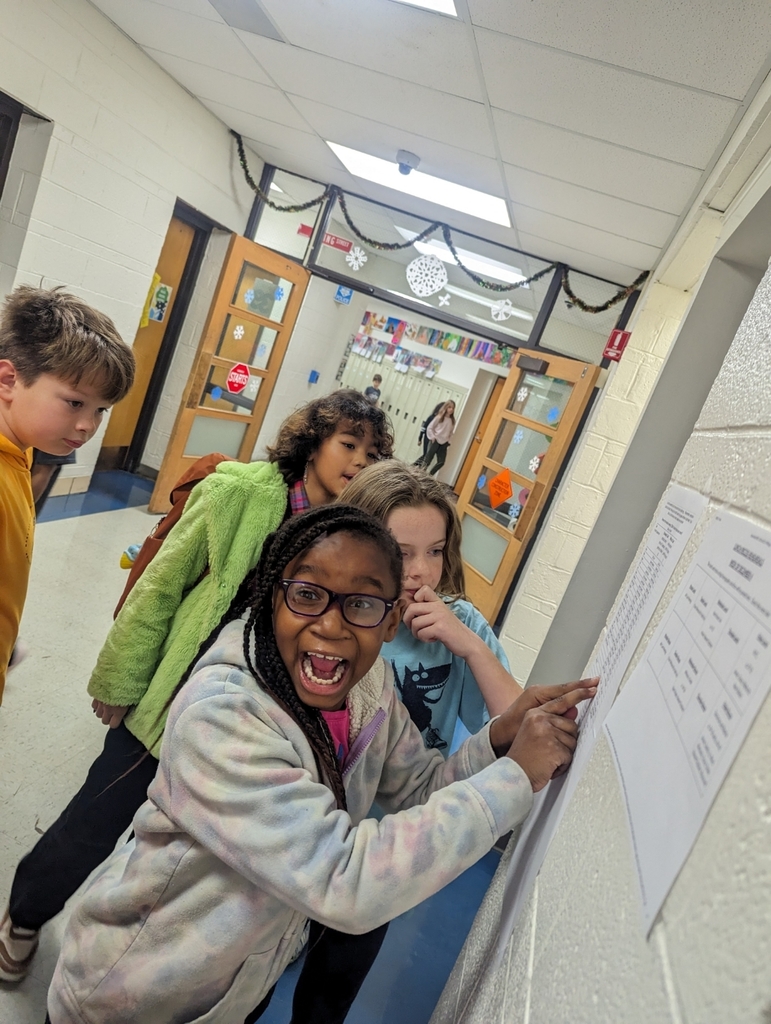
pixel 49 736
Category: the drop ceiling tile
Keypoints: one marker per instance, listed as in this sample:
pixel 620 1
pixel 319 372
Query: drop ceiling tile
pixel 589 263
pixel 572 202
pixel 387 37
pixel 607 103
pixel 595 164
pixel 168 30
pixel 586 238
pixel 458 165
pixel 239 93
pixel 719 47
pixel 374 95
pixel 258 128
pixel 198 8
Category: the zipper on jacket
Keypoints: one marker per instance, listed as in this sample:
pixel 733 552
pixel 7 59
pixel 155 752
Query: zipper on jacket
pixel 363 740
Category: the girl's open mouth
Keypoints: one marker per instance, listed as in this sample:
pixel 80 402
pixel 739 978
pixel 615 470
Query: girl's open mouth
pixel 322 672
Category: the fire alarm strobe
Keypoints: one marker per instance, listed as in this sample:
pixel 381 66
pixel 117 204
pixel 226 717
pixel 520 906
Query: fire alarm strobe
pixel 238 378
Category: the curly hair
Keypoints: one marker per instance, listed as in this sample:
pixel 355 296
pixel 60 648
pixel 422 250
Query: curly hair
pixel 51 331
pixel 258 592
pixel 300 435
pixel 388 486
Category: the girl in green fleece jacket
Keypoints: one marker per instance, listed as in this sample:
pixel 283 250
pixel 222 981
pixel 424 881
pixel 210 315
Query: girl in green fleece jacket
pixel 173 607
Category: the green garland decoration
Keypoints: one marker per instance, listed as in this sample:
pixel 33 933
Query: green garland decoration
pixel 333 193
pixel 618 297
pixel 297 208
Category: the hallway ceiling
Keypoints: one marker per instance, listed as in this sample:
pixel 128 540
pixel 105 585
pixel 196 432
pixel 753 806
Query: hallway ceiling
pixel 596 121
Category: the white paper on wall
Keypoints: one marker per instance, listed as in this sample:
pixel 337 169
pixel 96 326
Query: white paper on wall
pixel 665 544
pixel 687 708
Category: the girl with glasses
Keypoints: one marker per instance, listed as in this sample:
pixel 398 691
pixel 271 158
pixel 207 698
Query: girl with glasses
pixel 274 750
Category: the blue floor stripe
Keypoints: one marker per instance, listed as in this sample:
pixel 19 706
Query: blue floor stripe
pixel 108 491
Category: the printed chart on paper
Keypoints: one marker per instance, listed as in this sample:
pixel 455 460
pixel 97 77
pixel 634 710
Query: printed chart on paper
pixel 685 712
pixel 666 541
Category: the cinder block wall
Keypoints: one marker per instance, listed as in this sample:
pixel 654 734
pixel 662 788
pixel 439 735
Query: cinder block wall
pixel 90 194
pixel 578 953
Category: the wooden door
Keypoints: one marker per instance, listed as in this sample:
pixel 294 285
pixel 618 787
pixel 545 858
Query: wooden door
pixel 250 321
pixel 147 342
pixel 536 416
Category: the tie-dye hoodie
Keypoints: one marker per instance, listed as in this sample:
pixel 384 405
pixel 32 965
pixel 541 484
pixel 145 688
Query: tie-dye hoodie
pixel 239 842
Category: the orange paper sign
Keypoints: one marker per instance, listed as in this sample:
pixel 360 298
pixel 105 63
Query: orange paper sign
pixel 500 488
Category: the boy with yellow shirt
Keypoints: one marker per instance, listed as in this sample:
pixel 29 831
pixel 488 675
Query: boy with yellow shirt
pixel 62 364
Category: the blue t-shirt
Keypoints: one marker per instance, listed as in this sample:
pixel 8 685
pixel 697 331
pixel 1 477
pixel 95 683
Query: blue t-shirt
pixel 436 686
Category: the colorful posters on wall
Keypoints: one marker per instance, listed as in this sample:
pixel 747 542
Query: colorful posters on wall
pixel 471 348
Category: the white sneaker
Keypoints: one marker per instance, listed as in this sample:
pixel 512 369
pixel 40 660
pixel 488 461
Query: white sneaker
pixel 18 654
pixel 17 948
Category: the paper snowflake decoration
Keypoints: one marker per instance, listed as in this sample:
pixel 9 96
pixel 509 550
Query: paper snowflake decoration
pixel 535 463
pixel 249 297
pixel 278 294
pixel 426 276
pixel 501 310
pixel 522 394
pixel 238 332
pixel 553 414
pixel 519 436
pixel 514 511
pixel 444 300
pixel 356 258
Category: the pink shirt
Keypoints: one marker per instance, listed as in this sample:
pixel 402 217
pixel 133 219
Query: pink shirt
pixel 339 725
pixel 440 430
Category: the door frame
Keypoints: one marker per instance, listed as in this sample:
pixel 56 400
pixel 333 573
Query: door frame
pixel 202 226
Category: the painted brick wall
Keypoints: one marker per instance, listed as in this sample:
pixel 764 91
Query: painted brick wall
pixel 91 210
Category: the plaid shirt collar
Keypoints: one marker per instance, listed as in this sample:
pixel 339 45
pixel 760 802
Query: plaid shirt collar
pixel 298 498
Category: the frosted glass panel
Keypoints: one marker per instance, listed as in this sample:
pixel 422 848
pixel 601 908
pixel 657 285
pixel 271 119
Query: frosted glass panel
pixel 542 399
pixel 214 435
pixel 520 449
pixel 261 292
pixel 481 548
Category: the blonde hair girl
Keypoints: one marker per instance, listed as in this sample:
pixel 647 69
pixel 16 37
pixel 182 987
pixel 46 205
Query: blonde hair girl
pixel 447 661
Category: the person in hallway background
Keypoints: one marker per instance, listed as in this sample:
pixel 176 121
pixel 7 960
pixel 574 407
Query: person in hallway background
pixel 439 433
pixel 173 607
pixel 373 391
pixel 62 365
pixel 423 437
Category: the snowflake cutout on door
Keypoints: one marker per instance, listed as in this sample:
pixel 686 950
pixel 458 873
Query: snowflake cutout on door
pixel 426 276
pixel 519 436
pixel 514 511
pixel 249 297
pixel 535 463
pixel 444 300
pixel 501 310
pixel 522 394
pixel 238 332
pixel 356 258
pixel 553 414
pixel 278 294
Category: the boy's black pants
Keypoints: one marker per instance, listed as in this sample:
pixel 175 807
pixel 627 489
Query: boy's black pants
pixel 85 834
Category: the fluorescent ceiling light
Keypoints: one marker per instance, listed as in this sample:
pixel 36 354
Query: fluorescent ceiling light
pixel 471 297
pixel 423 186
pixel 412 298
pixel 482 265
pixel 275 187
pixel 442 6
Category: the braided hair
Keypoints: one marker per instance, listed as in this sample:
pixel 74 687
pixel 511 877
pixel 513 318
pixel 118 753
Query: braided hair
pixel 260 648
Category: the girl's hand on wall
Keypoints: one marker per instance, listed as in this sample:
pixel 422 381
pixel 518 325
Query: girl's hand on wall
pixel 430 619
pixel 109 714
pixel 504 729
pixel 544 745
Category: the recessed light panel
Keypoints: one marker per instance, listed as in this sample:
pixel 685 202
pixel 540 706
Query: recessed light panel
pixel 423 186
pixel 440 6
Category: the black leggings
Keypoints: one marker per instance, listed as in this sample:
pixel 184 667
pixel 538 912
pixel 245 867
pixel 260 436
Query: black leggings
pixel 85 834
pixel 438 450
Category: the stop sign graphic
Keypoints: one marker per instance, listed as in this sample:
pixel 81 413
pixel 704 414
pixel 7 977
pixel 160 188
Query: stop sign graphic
pixel 238 378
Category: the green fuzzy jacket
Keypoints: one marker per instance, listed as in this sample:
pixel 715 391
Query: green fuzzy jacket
pixel 172 610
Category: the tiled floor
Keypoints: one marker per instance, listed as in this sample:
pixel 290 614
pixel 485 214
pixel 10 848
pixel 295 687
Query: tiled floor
pixel 49 736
